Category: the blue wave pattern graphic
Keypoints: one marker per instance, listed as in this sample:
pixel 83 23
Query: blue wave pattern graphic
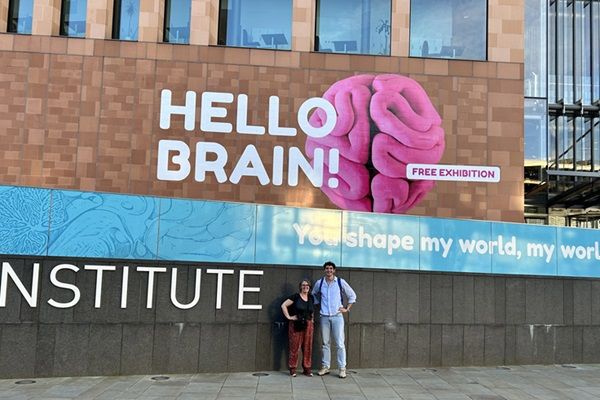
pixel 103 225
pixel 209 231
pixel 35 221
pixel 24 215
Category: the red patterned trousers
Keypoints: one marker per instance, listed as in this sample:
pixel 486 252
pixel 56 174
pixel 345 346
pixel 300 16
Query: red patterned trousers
pixel 298 339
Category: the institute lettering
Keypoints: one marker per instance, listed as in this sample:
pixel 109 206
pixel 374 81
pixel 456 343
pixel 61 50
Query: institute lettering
pixel 57 274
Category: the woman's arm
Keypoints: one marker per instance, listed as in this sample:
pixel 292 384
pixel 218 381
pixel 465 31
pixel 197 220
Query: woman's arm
pixel 284 308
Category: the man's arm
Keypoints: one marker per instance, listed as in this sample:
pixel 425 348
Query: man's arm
pixel 314 293
pixel 350 294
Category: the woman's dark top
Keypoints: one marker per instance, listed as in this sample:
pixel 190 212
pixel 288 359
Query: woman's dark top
pixel 303 309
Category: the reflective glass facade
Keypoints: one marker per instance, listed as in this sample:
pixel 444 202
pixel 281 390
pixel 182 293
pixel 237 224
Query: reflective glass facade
pixel 570 31
pixel 573 34
pixel 353 26
pixel 20 14
pixel 535 80
pixel 126 19
pixel 573 73
pixel 256 23
pixel 448 29
pixel 177 21
pixel 73 17
pixel 536 44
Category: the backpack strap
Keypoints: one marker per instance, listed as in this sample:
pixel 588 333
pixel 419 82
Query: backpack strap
pixel 339 281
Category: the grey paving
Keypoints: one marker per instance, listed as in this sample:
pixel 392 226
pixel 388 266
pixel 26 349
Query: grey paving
pixel 535 382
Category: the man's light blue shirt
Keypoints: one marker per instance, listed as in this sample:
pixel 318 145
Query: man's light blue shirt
pixel 330 298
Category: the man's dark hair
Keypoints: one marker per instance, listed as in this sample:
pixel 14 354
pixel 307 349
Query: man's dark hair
pixel 329 263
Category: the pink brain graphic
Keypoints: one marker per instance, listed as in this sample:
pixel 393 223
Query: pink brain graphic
pixel 384 122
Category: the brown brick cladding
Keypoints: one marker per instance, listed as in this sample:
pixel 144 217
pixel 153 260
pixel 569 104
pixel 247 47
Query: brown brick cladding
pixel 83 114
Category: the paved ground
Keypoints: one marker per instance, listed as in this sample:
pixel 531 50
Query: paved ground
pixel 579 382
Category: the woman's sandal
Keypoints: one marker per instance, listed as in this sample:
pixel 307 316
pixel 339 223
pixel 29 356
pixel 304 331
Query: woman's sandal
pixel 293 373
pixel 307 373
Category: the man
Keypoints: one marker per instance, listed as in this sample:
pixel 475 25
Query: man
pixel 329 292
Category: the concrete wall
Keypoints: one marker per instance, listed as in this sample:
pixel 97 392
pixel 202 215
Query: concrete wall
pixel 401 319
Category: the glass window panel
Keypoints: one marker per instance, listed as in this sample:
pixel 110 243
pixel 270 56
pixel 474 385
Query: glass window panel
pixel 535 48
pixel 565 142
pixel 552 52
pixel 256 23
pixel 535 132
pixel 448 29
pixel 578 51
pixel 583 146
pixel 126 19
pixel 565 14
pixel 595 47
pixel 73 16
pixel 177 21
pixel 586 56
pixel 596 143
pixel 552 141
pixel 353 26
pixel 20 14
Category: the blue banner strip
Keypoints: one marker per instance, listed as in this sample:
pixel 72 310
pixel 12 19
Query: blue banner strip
pixel 36 221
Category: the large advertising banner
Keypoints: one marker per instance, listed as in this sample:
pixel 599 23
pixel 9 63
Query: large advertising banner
pixel 370 143
pixel 386 135
pixel 40 222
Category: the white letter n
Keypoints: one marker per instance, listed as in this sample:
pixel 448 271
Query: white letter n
pixel 7 271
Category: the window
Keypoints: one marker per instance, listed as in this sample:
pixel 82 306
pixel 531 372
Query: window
pixel 564 142
pixel 595 45
pixel 552 140
pixel 573 143
pixel 573 56
pixel 72 18
pixel 177 21
pixel 265 24
pixel 596 144
pixel 583 56
pixel 353 26
pixel 126 19
pixel 448 29
pixel 566 10
pixel 552 53
pixel 19 16
pixel 535 48
pixel 535 132
pixel 583 144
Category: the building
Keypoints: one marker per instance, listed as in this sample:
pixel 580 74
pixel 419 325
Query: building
pixel 170 170
pixel 561 112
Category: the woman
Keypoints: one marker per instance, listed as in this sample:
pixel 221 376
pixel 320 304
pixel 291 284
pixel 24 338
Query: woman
pixel 299 310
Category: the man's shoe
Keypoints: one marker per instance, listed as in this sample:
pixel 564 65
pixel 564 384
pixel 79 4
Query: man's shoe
pixel 323 371
pixel 342 373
